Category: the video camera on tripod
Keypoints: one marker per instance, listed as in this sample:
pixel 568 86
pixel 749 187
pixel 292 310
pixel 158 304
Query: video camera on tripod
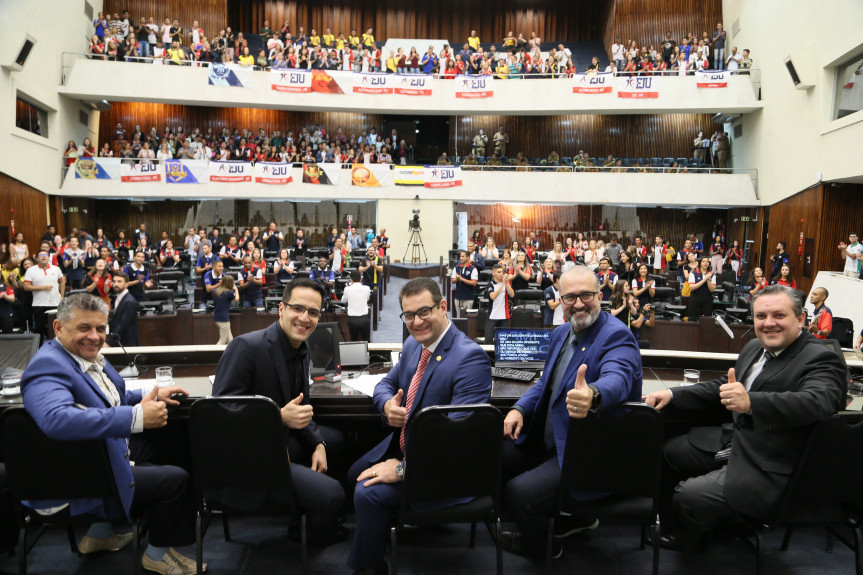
pixel 414 223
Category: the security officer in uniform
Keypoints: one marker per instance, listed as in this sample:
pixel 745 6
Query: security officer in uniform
pixel 480 141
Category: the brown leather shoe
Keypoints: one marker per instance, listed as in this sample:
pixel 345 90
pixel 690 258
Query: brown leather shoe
pixel 113 542
pixel 186 561
pixel 169 565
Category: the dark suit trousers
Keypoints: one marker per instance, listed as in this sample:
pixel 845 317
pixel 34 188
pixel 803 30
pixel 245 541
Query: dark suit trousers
pixel 681 461
pixel 700 507
pixel 531 477
pixel 318 494
pixel 165 492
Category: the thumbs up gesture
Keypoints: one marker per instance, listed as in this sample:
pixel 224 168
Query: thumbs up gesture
pixel 734 396
pixel 580 398
pixel 394 412
pixel 296 415
pixel 155 412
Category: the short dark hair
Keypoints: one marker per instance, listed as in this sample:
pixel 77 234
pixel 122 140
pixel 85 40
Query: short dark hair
pixel 303 283
pixel 460 252
pixel 555 276
pixel 419 285
pixel 119 274
pixel 793 294
pixel 783 244
pixel 356 275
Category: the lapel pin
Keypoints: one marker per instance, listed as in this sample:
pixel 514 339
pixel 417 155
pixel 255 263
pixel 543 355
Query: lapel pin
pixel 438 358
pixel 584 348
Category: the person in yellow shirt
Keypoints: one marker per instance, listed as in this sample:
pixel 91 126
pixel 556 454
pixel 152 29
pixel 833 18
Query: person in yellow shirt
pixel 328 39
pixel 314 39
pixel 354 40
pixel 368 38
pixel 176 54
pixel 473 41
pixel 340 42
pixel 391 62
pixel 246 59
pixel 502 69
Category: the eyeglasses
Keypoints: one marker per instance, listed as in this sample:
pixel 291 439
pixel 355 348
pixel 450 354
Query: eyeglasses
pixel 298 309
pixel 422 313
pixel 586 297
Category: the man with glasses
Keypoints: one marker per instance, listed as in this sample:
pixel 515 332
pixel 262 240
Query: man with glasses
pixel 274 362
pixel 439 365
pixel 593 365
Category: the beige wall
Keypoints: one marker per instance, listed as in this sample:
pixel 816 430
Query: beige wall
pixel 436 219
pixel 58 26
pixel 792 138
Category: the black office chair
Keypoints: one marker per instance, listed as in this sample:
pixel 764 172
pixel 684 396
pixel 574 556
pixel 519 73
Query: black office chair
pixel 525 317
pixel 158 299
pixel 170 279
pixel 529 298
pixel 665 294
pixel 43 469
pixel 843 331
pixel 626 461
pixel 237 449
pixel 473 438
pixel 823 489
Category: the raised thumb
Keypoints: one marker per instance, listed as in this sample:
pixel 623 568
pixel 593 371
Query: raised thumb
pixel 399 395
pixel 731 378
pixel 153 393
pixel 580 381
pixel 297 399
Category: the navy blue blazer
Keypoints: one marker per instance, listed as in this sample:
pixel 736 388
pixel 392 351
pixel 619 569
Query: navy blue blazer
pixel 458 373
pixel 67 404
pixel 124 322
pixel 613 365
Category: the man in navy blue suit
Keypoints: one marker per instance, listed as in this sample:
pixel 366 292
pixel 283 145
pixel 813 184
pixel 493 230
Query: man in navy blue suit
pixel 439 365
pixel 593 365
pixel 124 323
pixel 74 394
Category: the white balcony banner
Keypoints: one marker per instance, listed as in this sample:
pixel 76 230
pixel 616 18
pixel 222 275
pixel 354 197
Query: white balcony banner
pixel 372 83
pixel 141 172
pixel 296 81
pixel 413 84
pixel 712 79
pixel 592 83
pixel 442 176
pixel 474 86
pixel 273 173
pixel 229 75
pixel 637 87
pixel 230 172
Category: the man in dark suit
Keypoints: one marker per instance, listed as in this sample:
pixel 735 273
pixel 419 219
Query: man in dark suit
pixel 783 384
pixel 439 365
pixel 593 365
pixel 274 362
pixel 74 394
pixel 124 322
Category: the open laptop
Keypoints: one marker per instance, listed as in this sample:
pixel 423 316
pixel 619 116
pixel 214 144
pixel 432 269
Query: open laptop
pixel 522 348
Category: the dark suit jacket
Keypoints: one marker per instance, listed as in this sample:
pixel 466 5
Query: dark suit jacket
pixel 458 373
pixel 802 386
pixel 67 404
pixel 255 364
pixel 613 365
pixel 124 322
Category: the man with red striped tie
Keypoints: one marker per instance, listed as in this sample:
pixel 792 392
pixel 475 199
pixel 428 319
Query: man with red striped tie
pixel 439 365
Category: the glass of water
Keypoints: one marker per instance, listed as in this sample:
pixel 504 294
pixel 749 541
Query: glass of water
pixel 164 376
pixel 691 376
pixel 11 384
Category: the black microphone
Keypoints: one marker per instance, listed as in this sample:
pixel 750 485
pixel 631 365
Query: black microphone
pixel 130 371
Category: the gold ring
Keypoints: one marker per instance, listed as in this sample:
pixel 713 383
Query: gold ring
pixel 374 473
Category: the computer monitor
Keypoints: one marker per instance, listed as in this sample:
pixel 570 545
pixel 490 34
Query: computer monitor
pixel 16 351
pixel 521 347
pixel 324 350
pixel 354 353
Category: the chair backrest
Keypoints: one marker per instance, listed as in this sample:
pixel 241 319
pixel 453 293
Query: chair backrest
pixel 162 294
pixel 469 436
pixel 39 468
pixel 170 276
pixel 625 453
pixel 528 294
pixel 843 331
pixel 828 475
pixel 659 280
pixel 237 442
pixel 663 293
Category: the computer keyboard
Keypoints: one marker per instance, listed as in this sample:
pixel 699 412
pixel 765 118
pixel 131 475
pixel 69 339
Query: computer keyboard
pixel 515 374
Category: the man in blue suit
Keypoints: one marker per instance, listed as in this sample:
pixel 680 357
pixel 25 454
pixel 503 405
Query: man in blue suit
pixel 593 365
pixel 439 365
pixel 74 394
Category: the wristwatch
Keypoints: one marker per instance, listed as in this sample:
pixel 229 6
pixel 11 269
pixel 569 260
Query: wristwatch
pixel 400 470
pixel 597 398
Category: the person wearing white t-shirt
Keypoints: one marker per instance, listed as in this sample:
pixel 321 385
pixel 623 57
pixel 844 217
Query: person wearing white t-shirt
pixel 853 253
pixel 733 63
pixel 356 295
pixel 47 283
pixel 498 291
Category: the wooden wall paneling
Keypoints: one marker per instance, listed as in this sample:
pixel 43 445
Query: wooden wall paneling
pixel 210 14
pixel 149 115
pixel 635 20
pixel 31 211
pixel 801 212
pixel 666 135
pixel 447 19
pixel 842 214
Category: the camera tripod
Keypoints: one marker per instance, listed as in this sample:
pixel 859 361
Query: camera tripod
pixel 415 244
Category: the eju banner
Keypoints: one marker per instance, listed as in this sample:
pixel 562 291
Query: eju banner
pixel 373 83
pixel 474 87
pixel 413 84
pixel 230 171
pixel 442 176
pixel 140 172
pixel 291 80
pixel 592 83
pixel 273 173
pixel 638 87
pixel 714 79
